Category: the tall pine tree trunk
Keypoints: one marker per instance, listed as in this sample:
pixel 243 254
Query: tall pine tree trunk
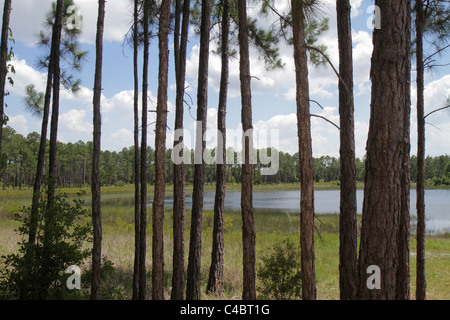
pixel 42 145
pixel 178 285
pixel 248 219
pixel 160 147
pixel 305 154
pixel 95 184
pixel 215 281
pixel 195 245
pixel 383 194
pixel 403 238
pixel 143 178
pixel 3 63
pixel 420 188
pixel 137 196
pixel 347 222
pixel 48 218
pixel 52 174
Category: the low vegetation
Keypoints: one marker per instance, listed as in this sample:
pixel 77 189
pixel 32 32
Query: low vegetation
pixel 273 231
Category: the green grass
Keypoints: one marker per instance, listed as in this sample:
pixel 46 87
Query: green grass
pixel 271 227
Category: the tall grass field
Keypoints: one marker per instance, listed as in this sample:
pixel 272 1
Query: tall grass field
pixel 271 229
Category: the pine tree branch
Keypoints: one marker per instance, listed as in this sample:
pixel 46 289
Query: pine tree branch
pixel 329 121
pixel 332 66
pixel 446 107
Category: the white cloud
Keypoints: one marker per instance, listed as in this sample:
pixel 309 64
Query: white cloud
pixel 355 4
pixel 19 123
pixel 362 54
pixel 117 19
pixel 437 128
pixel 118 140
pixel 436 93
pixel 24 76
pixel 121 103
pixel 75 121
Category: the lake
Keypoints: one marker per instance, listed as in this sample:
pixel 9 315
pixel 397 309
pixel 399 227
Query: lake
pixel 437 204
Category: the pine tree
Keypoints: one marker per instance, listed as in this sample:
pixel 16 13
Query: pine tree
pixel 160 144
pixel 383 211
pixel 3 63
pixel 305 153
pixel 194 262
pixel 96 196
pixel 348 231
pixel 180 43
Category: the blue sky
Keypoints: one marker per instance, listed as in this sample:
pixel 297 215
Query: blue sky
pixel 273 94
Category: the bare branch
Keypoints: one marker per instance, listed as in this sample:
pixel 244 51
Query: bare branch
pixel 446 107
pixel 433 125
pixel 329 121
pixel 437 52
pixel 332 66
pixel 320 106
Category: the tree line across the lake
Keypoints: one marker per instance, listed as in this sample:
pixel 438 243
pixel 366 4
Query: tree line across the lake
pixel 116 168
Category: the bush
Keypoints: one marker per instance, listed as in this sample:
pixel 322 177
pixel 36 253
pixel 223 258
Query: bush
pixel 38 270
pixel 280 274
pixel 111 282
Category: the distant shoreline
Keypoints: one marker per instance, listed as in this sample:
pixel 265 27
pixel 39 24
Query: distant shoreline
pixel 129 189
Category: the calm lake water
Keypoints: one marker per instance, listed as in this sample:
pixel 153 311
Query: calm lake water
pixel 437 204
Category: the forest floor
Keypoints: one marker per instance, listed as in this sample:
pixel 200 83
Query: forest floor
pixel 271 228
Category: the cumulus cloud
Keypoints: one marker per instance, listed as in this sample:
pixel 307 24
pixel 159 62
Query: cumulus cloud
pixel 437 128
pixel 75 121
pixel 117 20
pixel 119 139
pixel 24 76
pixel 19 123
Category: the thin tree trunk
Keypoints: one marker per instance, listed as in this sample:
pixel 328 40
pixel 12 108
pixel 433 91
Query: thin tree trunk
pixel 41 152
pixel 95 184
pixel 52 174
pixel 403 272
pixel 215 282
pixel 160 147
pixel 137 229
pixel 305 154
pixel 48 219
pixel 194 262
pixel 42 145
pixel 420 188
pixel 348 231
pixel 3 63
pixel 178 285
pixel 248 220
pixel 383 194
pixel 143 178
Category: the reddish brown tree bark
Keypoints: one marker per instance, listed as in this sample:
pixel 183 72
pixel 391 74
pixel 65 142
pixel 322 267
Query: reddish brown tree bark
pixel 305 154
pixel 248 219
pixel 160 148
pixel 348 276
pixel 95 187
pixel 383 193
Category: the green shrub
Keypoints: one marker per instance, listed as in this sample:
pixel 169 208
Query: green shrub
pixel 279 273
pixel 111 282
pixel 37 271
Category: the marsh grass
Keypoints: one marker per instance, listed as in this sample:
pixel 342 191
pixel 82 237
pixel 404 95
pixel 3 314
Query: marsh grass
pixel 271 228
